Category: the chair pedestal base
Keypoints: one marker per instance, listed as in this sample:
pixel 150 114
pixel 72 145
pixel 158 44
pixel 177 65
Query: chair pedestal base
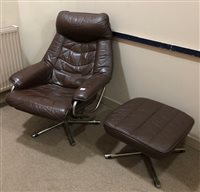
pixel 47 129
pixel 67 129
pixel 147 161
pixel 84 122
pixel 69 134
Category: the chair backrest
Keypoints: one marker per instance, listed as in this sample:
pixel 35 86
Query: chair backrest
pixel 81 47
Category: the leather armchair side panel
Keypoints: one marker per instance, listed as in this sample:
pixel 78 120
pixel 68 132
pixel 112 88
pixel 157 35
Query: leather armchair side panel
pixel 104 58
pixel 90 87
pixel 54 49
pixel 102 72
pixel 36 74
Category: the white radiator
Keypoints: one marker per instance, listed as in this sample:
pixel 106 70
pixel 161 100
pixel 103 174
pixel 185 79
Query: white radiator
pixel 10 55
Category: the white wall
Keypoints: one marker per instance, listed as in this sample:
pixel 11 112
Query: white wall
pixel 173 22
pixel 139 70
pixel 9 13
pixel 37 21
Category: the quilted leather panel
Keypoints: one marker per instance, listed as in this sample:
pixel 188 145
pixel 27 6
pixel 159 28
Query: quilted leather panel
pixel 72 62
pixel 54 49
pixel 76 58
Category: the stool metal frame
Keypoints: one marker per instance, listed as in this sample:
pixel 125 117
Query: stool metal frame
pixel 147 161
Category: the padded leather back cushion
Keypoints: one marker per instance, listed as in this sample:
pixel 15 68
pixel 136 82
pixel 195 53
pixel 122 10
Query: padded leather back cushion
pixel 83 27
pixel 73 60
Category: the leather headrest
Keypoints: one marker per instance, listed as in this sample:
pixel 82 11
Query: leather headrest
pixel 83 27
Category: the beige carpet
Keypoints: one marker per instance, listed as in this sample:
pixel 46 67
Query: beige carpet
pixel 49 163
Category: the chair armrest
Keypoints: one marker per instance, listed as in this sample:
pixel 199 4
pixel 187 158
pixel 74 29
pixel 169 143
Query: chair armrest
pixel 90 87
pixel 38 73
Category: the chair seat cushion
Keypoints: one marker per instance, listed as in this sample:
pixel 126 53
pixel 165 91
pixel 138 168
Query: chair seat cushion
pixel 49 100
pixel 154 128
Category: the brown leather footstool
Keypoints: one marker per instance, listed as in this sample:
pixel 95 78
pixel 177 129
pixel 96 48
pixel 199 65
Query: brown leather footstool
pixel 155 129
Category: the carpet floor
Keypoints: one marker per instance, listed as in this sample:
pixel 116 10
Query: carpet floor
pixel 49 163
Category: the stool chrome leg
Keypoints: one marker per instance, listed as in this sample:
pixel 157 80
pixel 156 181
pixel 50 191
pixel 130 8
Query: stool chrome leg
pixel 152 171
pixel 112 156
pixel 147 161
pixel 47 129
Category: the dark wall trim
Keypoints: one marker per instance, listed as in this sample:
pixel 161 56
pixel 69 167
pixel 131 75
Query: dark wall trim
pixel 157 44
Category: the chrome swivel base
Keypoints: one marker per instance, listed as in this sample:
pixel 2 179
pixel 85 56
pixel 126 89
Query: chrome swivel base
pixel 67 129
pixel 147 161
pixel 75 118
pixel 84 122
pixel 47 129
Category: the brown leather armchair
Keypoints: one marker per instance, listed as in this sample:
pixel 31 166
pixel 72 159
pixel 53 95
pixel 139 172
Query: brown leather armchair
pixel 75 68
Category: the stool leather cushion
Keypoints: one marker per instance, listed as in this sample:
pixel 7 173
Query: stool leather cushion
pixel 154 128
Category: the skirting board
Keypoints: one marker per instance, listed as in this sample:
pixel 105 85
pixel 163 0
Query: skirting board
pixel 193 142
pixel 190 141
